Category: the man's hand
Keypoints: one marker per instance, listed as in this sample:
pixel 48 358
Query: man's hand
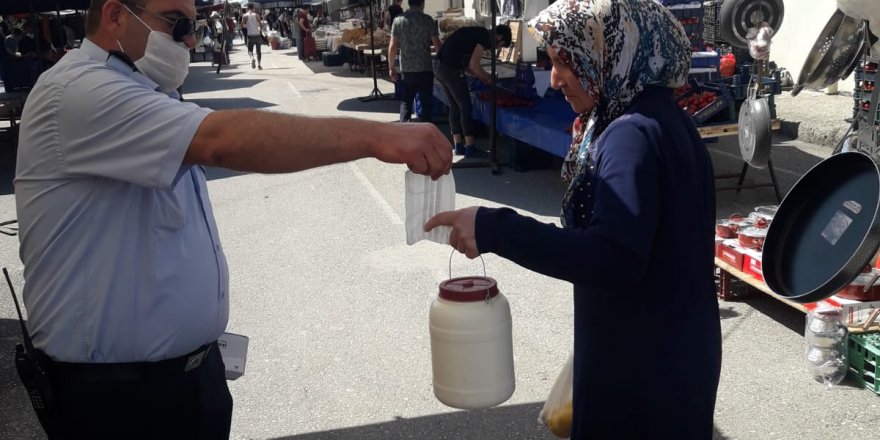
pixel 421 146
pixel 392 73
pixel 463 222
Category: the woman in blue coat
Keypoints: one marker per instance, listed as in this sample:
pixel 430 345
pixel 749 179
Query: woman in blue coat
pixel 637 225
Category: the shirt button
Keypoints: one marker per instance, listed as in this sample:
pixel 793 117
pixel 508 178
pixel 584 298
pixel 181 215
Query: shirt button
pixel 588 183
pixel 582 205
pixel 583 216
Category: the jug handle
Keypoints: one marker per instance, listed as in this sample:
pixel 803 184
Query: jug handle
pixel 450 264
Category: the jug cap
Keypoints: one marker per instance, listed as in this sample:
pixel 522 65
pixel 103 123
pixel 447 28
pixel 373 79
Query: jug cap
pixel 468 289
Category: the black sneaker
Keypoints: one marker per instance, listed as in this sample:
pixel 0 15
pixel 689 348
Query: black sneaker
pixel 473 151
pixel 459 149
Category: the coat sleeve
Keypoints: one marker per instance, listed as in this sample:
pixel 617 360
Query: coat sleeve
pixel 613 250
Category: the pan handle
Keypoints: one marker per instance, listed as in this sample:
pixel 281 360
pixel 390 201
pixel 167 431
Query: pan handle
pixel 875 274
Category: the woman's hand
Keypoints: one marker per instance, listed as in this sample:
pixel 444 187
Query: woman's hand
pixel 463 236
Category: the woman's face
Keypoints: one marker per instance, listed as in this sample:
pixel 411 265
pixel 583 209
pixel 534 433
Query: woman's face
pixel 564 80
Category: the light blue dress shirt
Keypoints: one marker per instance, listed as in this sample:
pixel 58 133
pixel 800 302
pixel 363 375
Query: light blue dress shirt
pixel 122 260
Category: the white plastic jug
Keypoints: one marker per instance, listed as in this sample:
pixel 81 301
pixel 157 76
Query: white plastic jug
pixel 471 344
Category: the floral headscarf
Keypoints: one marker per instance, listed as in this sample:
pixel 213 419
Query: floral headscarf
pixel 616 48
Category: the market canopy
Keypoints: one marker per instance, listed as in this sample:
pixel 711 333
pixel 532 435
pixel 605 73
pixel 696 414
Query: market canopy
pixel 276 3
pixel 13 7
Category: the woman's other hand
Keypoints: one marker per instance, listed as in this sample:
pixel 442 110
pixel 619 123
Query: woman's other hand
pixel 463 222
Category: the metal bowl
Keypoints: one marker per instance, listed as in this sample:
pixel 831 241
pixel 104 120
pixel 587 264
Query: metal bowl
pixel 835 53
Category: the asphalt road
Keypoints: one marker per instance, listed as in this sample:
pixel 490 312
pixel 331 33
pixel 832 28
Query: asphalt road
pixel 336 304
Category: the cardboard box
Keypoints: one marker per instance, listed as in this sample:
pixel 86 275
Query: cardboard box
pixel 852 312
pixel 752 263
pixel 233 350
pixel 729 254
pixel 855 312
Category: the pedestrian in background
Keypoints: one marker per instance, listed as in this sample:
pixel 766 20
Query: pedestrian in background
pixel 295 30
pixel 638 223
pixel 126 282
pixel 394 9
pixel 305 31
pixel 252 24
pixel 412 34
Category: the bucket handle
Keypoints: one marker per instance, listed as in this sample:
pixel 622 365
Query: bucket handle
pixel 450 264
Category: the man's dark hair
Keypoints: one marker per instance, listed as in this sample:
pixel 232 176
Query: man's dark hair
pixel 416 3
pixel 93 16
pixel 250 6
pixel 504 31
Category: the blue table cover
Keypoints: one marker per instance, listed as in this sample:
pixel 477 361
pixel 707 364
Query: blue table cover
pixel 542 126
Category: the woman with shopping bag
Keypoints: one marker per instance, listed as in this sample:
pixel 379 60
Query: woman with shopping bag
pixel 637 225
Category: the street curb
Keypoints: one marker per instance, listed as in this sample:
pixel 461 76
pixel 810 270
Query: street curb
pixel 826 137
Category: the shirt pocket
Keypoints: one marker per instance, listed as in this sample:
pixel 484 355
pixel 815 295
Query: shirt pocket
pixel 168 213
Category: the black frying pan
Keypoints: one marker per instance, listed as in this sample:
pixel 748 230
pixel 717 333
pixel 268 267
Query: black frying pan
pixel 826 229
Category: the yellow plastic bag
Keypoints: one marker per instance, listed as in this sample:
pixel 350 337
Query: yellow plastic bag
pixel 557 412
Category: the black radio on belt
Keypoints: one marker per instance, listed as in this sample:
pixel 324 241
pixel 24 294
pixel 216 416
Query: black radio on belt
pixel 32 373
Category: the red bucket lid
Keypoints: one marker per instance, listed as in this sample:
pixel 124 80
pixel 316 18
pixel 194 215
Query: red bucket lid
pixel 468 289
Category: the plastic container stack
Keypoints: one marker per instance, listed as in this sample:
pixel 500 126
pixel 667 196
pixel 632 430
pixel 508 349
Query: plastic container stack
pixel 866 76
pixel 690 14
pixel 826 339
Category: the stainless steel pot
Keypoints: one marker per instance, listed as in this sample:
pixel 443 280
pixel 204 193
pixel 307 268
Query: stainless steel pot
pixel 835 53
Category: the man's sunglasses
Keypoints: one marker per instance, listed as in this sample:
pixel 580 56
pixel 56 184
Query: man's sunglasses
pixel 181 28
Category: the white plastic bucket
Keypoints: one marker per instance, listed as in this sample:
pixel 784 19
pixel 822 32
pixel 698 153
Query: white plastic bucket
pixel 471 344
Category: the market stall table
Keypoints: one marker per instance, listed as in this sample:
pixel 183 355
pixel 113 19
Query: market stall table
pixel 727 273
pixel 542 126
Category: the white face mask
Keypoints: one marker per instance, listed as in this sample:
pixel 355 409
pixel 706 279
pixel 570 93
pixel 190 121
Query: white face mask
pixel 165 61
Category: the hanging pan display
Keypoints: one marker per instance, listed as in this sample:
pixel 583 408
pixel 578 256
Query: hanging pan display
pixel 753 131
pixel 826 230
pixel 737 16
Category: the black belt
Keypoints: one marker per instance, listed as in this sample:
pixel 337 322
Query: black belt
pixel 127 372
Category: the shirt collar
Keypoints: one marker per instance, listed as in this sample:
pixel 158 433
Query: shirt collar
pixel 95 52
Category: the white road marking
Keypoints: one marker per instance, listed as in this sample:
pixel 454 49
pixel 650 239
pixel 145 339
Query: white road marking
pixel 295 92
pixel 389 211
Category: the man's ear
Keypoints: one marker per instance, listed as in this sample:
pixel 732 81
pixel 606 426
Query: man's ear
pixel 111 17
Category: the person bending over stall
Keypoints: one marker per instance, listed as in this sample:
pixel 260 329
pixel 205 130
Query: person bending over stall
pixel 461 53
pixel 637 225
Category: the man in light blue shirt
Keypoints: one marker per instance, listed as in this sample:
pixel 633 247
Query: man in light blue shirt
pixel 126 281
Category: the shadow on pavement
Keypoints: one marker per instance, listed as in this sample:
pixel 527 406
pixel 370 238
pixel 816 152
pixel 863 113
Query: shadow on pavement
pixel 223 81
pixel 506 422
pixel 500 423
pixel 791 318
pixel 790 163
pixel 7 169
pixel 230 103
pixel 539 192
pixel 718 435
pixel 389 105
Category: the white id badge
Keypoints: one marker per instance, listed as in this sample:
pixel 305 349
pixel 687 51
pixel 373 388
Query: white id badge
pixel 233 350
